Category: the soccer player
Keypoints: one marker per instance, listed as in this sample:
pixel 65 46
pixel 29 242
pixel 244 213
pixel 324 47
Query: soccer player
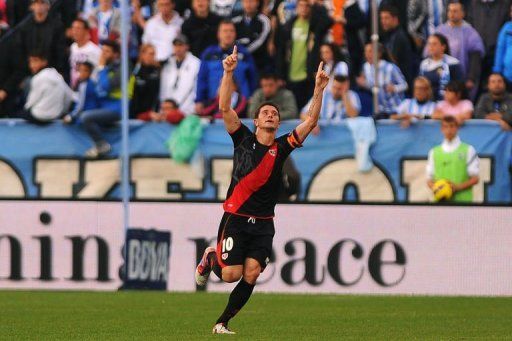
pixel 244 241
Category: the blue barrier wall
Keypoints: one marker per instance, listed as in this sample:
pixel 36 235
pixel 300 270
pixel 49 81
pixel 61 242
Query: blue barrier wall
pixel 22 144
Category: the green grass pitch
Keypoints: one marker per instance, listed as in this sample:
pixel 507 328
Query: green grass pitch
pixel 190 316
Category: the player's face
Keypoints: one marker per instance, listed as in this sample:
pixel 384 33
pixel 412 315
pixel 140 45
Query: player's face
pixel 449 130
pixel 268 118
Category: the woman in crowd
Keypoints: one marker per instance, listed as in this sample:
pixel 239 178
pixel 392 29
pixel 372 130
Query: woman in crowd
pixel 333 66
pixel 439 68
pixel 454 103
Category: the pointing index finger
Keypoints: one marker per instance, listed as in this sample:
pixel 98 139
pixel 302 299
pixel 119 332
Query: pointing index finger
pixel 320 66
pixel 235 50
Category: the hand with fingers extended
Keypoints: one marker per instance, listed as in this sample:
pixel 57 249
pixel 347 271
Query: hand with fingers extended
pixel 230 62
pixel 322 78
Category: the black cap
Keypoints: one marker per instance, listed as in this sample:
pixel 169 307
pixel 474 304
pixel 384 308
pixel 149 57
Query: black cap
pixel 180 39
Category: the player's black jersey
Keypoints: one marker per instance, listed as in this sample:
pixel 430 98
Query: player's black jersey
pixel 257 173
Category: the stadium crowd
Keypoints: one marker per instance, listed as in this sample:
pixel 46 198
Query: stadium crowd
pixel 60 59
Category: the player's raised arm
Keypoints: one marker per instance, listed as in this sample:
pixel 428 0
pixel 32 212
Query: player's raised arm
pixel 311 118
pixel 231 120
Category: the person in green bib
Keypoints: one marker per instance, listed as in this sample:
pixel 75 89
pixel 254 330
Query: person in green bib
pixel 455 162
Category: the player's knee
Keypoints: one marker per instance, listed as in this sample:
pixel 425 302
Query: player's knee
pixel 251 274
pixel 230 276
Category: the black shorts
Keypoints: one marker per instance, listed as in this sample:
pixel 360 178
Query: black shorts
pixel 243 237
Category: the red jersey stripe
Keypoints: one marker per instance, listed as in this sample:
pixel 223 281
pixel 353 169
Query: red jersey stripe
pixel 252 182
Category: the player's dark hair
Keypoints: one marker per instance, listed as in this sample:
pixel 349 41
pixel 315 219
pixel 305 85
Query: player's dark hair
pixel 456 2
pixel 226 22
pixel 257 112
pixel 84 23
pixel 340 78
pixel 87 64
pixel 444 41
pixel 392 10
pixel 114 45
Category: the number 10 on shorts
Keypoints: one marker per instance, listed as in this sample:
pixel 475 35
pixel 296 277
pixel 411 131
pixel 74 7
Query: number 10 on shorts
pixel 227 244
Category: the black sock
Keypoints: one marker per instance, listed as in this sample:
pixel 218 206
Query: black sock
pixel 239 296
pixel 212 258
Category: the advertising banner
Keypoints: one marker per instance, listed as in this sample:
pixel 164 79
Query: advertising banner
pixel 343 249
pixel 48 162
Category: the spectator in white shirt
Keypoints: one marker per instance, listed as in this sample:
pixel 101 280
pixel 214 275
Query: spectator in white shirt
pixel 338 103
pixel 83 49
pixel 49 96
pixel 179 76
pixel 162 28
pixel 419 107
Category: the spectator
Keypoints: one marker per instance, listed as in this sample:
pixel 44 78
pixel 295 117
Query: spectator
pixel 338 103
pixel 49 96
pixel 238 103
pixel 85 88
pixel 454 161
pixel 87 7
pixel 332 64
pixel 497 104
pixel 397 42
pixel 252 31
pixel 147 82
pixel 201 27
pixel 179 76
pixel 487 17
pixel 162 28
pixel 271 91
pixel 105 21
pixel 82 49
pixel 392 84
pixel 439 68
pixel 503 59
pixel 108 90
pixel 417 108
pixel 226 9
pixel 355 21
pixel 298 52
pixel 45 34
pixel 423 18
pixel 454 103
pixel 210 71
pixel 465 45
pixel 169 112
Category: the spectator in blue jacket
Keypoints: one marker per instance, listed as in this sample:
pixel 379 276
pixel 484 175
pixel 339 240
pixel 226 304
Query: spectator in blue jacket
pixel 85 89
pixel 503 59
pixel 108 90
pixel 210 71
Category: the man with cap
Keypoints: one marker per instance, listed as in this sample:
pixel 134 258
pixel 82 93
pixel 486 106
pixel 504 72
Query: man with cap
pixel 179 75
